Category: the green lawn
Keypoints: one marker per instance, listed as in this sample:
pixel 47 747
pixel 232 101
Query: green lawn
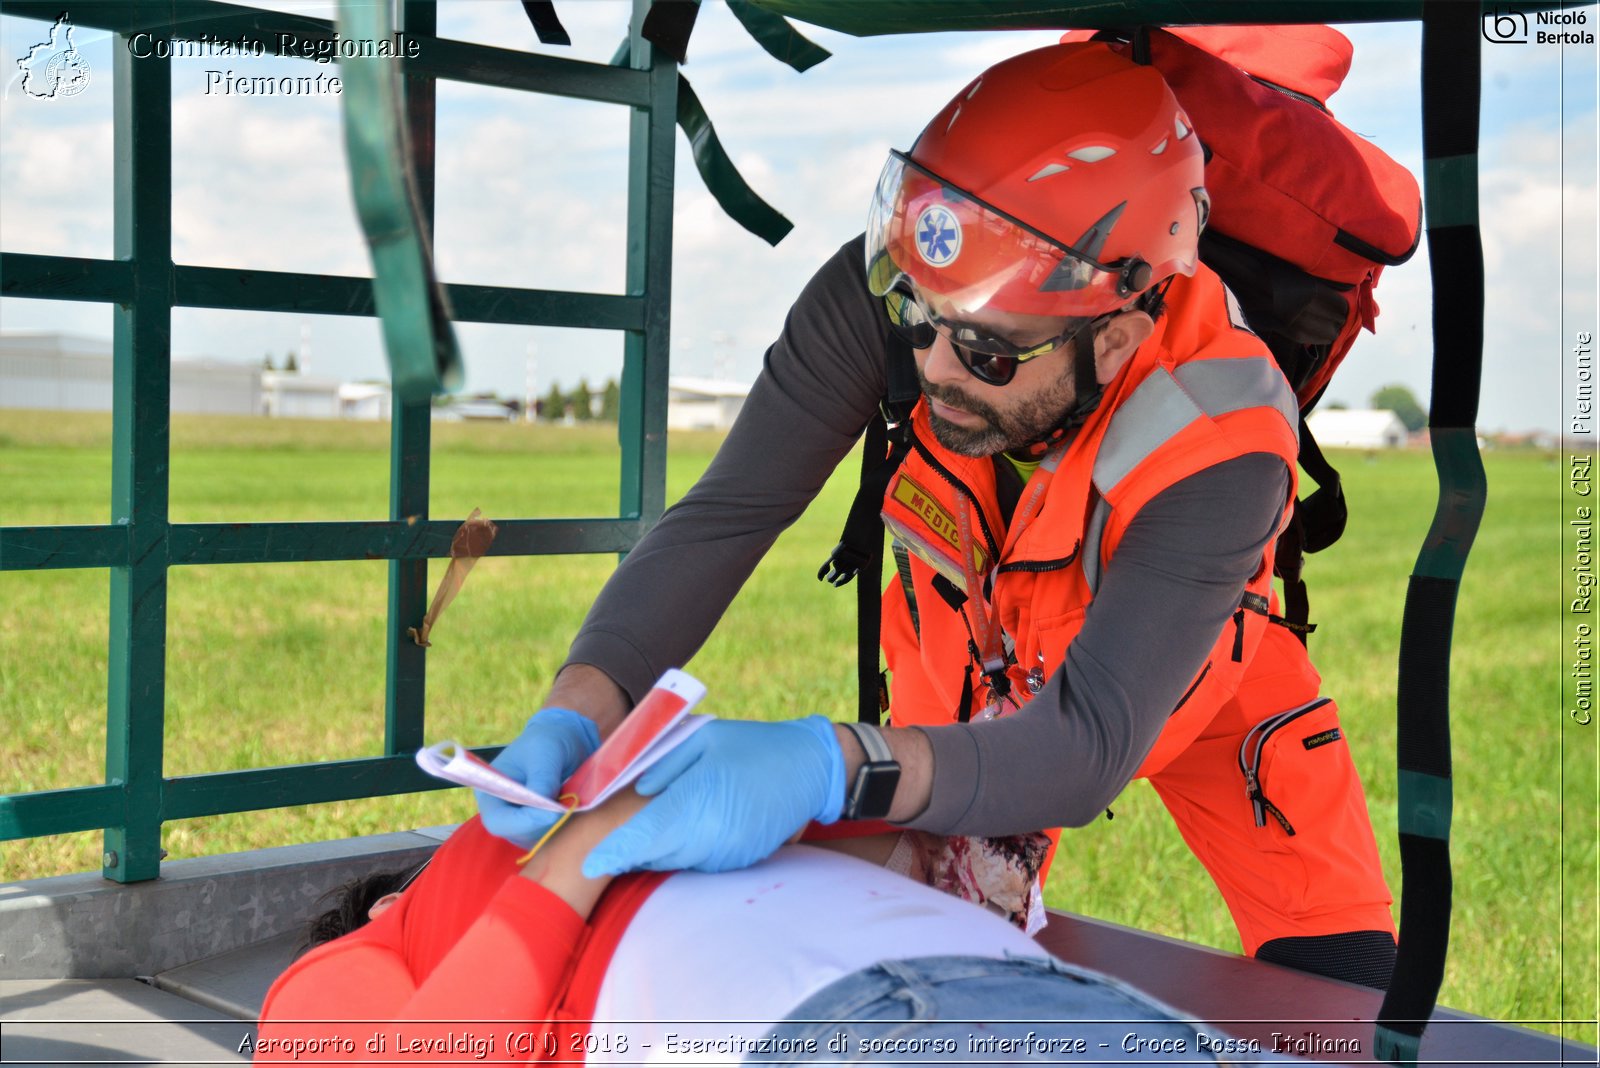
pixel 271 664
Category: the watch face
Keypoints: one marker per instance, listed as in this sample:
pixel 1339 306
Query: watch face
pixel 873 792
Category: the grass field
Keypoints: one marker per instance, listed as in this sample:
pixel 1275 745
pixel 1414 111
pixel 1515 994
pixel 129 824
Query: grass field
pixel 272 664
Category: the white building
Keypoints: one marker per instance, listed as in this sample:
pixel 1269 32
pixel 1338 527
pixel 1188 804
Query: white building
pixel 65 372
pixel 1336 428
pixel 365 400
pixel 291 395
pixel 703 403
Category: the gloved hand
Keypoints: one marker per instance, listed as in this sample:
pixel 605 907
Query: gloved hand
pixel 545 754
pixel 728 797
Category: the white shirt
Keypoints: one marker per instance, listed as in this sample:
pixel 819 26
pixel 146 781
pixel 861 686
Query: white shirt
pixel 718 959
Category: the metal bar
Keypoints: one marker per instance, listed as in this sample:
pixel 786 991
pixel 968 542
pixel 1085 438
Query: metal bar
pixel 66 548
pixel 542 307
pixel 141 399
pixel 642 422
pixel 77 808
pixel 68 278
pixel 57 548
pixel 217 287
pixel 23 274
pixel 270 543
pixel 410 441
pixel 189 796
pixel 549 75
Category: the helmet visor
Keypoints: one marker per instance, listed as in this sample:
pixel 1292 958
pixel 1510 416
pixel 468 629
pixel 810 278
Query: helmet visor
pixel 965 257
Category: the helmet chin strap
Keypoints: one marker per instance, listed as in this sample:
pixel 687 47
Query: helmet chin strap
pixel 1087 392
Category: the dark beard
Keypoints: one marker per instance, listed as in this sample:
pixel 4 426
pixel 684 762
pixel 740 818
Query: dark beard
pixel 1032 422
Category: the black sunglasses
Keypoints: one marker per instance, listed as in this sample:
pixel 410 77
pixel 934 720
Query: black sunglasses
pixel 988 357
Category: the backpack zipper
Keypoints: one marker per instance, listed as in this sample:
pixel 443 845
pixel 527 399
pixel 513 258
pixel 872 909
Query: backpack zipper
pixel 1251 767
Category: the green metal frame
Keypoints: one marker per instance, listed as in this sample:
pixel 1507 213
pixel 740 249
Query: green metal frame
pixel 139 545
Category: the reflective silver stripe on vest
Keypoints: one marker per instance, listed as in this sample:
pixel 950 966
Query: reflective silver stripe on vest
pixel 1166 402
pixel 1092 536
pixel 1161 407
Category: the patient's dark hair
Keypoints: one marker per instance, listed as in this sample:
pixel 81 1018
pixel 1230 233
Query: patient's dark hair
pixel 350 904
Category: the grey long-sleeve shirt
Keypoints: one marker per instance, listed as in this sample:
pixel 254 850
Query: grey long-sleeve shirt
pixel 1175 579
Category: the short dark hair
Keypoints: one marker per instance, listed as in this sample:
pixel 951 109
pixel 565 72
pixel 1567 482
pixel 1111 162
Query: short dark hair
pixel 351 901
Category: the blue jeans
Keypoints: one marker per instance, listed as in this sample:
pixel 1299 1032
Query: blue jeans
pixel 975 1010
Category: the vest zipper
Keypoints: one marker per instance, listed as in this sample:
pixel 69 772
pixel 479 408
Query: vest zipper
pixel 1251 766
pixel 1039 566
pixel 961 487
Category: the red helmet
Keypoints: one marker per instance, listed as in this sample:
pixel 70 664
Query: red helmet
pixel 1061 182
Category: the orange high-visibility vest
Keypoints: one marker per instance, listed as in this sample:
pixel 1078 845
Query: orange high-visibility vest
pixel 1201 390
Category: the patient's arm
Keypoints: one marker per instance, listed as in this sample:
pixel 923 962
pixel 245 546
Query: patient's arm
pixel 558 865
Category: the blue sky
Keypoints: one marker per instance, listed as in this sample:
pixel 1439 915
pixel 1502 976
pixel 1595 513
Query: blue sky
pixel 532 192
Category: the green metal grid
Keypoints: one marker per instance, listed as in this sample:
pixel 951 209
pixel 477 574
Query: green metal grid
pixel 139 545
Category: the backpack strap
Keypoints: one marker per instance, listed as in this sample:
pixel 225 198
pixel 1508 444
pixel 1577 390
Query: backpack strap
pixel 1317 522
pixel 860 548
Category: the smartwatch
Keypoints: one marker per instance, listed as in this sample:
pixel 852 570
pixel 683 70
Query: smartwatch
pixel 872 793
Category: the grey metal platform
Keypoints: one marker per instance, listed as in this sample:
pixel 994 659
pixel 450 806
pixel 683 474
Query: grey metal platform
pixel 63 1021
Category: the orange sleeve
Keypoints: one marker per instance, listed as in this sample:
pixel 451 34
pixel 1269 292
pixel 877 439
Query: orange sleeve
pixel 355 999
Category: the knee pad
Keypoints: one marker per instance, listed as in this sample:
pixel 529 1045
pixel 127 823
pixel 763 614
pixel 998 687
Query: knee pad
pixel 1365 957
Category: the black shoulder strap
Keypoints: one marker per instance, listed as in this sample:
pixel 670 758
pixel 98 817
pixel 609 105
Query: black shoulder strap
pixel 1317 522
pixel 860 549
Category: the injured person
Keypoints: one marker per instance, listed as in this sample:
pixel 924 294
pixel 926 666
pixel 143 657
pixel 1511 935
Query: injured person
pixel 813 955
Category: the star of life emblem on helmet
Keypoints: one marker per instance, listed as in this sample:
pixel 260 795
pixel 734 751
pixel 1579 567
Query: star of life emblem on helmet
pixel 938 236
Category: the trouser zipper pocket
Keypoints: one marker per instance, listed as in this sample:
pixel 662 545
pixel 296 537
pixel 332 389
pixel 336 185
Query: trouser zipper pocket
pixel 1250 751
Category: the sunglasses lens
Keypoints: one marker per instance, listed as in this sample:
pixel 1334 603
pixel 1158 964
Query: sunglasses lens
pixel 995 370
pixel 907 320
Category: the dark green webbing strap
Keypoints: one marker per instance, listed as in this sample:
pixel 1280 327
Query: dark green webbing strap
pixel 548 28
pixel 782 41
pixel 417 335
pixel 1450 98
pixel 721 177
pixel 668 26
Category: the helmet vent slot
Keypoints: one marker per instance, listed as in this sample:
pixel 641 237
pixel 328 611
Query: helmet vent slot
pixel 1162 147
pixel 953 117
pixel 1048 169
pixel 1092 153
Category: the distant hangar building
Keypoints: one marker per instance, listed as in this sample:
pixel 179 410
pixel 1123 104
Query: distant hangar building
pixel 65 372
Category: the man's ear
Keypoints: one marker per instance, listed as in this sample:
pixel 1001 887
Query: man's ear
pixel 1117 341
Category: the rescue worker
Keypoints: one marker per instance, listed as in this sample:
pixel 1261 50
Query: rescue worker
pixel 1102 457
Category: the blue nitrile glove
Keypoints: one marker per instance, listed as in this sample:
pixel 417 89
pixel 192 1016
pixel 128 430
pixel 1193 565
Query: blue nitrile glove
pixel 729 796
pixel 545 754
